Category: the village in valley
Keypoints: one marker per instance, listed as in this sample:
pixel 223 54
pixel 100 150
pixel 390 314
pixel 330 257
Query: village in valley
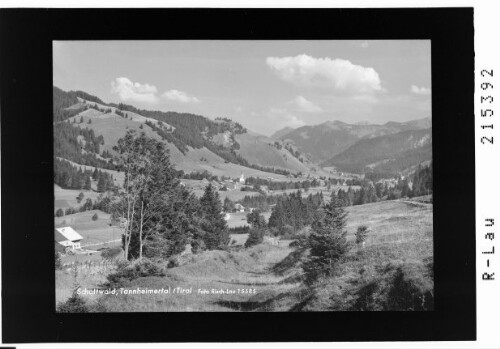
pixel 90 242
pixel 69 242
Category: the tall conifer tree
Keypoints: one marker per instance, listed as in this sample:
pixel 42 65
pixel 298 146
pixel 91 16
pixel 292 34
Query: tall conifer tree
pixel 327 241
pixel 216 234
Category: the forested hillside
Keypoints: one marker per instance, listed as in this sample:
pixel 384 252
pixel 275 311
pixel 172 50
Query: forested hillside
pixel 185 131
pixel 358 148
pixel 80 145
pixel 324 141
pixel 67 176
pixel 389 153
pixel 64 102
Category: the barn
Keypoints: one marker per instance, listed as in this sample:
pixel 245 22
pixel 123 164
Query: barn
pixel 66 238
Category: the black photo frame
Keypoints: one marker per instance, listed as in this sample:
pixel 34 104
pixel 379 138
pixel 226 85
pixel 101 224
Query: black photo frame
pixel 28 300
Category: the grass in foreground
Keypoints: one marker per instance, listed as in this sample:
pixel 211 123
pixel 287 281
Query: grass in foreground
pixel 394 271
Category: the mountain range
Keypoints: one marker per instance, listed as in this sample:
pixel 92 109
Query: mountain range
pixel 391 153
pixel 225 147
pixel 324 141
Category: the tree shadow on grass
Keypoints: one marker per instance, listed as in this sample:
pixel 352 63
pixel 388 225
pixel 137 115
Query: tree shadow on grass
pixel 299 307
pixel 270 300
pixel 245 305
pixel 265 272
pixel 253 304
pixel 248 283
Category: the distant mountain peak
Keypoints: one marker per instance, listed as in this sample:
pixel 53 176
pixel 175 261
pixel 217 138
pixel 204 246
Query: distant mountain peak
pixel 338 122
pixel 415 123
pixel 323 141
pixel 333 124
pixel 282 132
pixel 362 123
pixel 390 153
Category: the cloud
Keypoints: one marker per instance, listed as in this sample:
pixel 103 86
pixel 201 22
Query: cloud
pixel 179 96
pixel 129 91
pixel 304 105
pixel 283 118
pixel 420 90
pixel 332 74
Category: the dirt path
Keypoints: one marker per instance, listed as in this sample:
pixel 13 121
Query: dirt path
pixel 240 281
pixel 237 280
pixel 255 286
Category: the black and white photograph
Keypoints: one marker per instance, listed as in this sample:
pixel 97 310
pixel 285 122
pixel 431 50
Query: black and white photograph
pixel 243 176
pixel 270 173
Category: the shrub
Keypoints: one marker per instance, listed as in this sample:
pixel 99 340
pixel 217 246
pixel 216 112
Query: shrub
pixel 128 272
pixel 110 253
pixel 198 246
pixel 58 262
pixel 80 197
pixel 296 235
pixel 300 241
pixel 286 231
pixel 95 217
pixel 399 287
pixel 288 236
pixel 240 230
pixel 98 307
pixel 369 298
pixel 256 220
pixel 361 234
pixel 173 262
pixel 274 231
pixel 256 237
pixel 70 210
pixel 410 292
pixel 59 213
pixel 74 304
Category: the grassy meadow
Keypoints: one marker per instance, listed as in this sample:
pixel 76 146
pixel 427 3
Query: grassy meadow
pixel 112 127
pixel 393 271
pixel 65 198
pixel 97 234
pixel 399 248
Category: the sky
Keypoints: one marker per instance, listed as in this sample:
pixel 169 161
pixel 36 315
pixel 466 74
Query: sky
pixel 265 85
